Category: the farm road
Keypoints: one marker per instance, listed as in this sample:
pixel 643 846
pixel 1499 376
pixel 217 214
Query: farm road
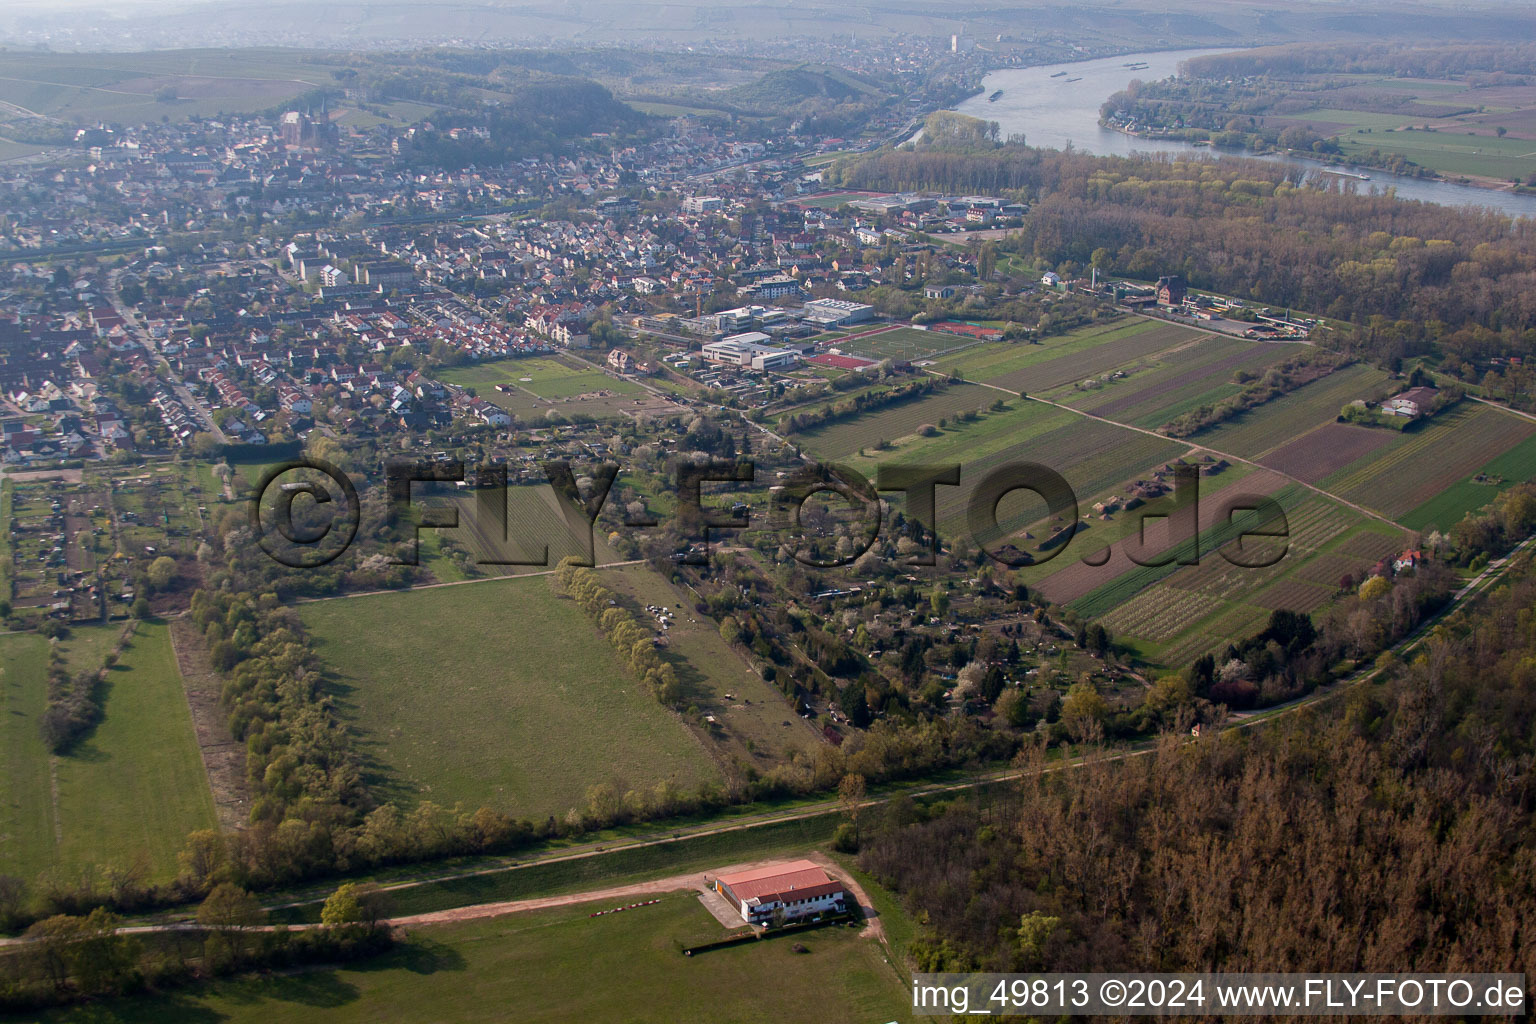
pixel 1196 447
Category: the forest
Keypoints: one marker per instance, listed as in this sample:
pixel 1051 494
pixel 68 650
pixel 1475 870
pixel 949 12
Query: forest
pixel 1403 274
pixel 530 111
pixel 1391 833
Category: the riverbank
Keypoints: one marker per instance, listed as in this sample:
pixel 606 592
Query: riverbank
pixel 1340 165
pixel 1040 104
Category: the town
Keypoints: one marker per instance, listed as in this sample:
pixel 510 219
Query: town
pixel 714 523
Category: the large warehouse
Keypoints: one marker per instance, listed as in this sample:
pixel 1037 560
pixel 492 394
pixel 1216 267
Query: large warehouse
pixel 798 888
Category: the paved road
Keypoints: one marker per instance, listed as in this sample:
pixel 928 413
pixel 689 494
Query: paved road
pixel 175 383
pixel 1193 446
pixel 1478 584
pixel 454 583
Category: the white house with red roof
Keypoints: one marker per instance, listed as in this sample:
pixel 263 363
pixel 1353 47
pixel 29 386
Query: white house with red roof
pixel 796 889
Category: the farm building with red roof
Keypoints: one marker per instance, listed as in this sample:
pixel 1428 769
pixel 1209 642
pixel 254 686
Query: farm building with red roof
pixel 796 889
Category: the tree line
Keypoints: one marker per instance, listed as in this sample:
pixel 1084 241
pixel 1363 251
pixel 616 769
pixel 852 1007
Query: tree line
pixel 1392 835
pixel 1252 230
pixel 74 701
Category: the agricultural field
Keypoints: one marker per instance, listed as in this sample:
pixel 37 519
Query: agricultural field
pixel 1157 391
pixel 141 87
pixel 1268 428
pixel 541 966
pixel 130 791
pixel 520 722
pixel 1452 150
pixel 1072 577
pixel 1332 446
pixel 1428 477
pixel 1095 457
pixel 1148 374
pixel 894 423
pixel 1076 356
pixel 1174 614
pixel 1460 127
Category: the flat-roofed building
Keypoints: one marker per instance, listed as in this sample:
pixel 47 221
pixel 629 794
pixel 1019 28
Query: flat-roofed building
pixel 832 312
pixel 749 350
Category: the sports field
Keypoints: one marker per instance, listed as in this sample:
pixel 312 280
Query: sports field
pixel 530 387
pixel 903 343
pixel 564 965
pixel 544 376
pixel 530 705
pixel 129 792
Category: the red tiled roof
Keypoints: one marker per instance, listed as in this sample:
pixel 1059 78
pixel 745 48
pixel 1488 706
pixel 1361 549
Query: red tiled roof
pixel 808 892
pixel 777 880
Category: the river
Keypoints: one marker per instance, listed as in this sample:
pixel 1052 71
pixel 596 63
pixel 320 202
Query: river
pixel 1054 110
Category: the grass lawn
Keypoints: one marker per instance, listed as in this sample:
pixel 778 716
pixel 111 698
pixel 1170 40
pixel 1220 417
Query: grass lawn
pixel 499 693
pixel 1451 152
pixel 565 965
pixel 127 794
pixel 547 377
pixel 906 343
pixel 788 839
pixel 845 437
pixel 751 720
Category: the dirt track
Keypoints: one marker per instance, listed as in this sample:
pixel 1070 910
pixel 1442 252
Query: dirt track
pixel 695 880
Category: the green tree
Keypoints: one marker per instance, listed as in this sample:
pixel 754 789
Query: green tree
pixel 231 912
pixel 103 960
pixel 342 907
pixel 204 444
pixel 939 601
pixel 1376 586
pixel 851 791
pixel 161 571
pixel 1035 930
pixel 204 857
pixel 1084 710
